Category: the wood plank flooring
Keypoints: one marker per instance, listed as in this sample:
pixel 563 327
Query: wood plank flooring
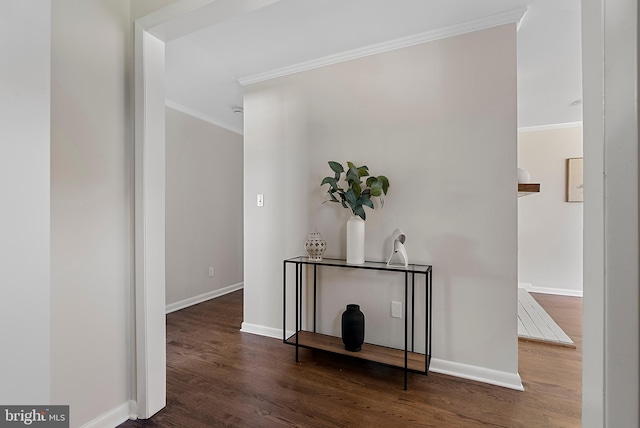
pixel 217 376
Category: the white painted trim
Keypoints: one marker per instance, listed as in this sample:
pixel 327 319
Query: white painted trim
pixel 550 127
pixel 547 290
pixel 507 17
pixel 519 22
pixel 149 223
pixel 480 374
pixel 176 306
pixel 260 330
pixel 113 417
pixel 594 253
pixel 201 116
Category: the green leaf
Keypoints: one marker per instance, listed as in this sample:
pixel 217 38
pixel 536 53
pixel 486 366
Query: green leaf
pixel 356 188
pixel 336 167
pixel 366 201
pixel 385 183
pixel 371 180
pixel 350 165
pixel 359 211
pixel 350 196
pixel 363 171
pixel 330 181
pixel 376 188
pixel 352 175
pixel 333 197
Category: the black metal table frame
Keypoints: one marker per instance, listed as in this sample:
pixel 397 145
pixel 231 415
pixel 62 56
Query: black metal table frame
pixel 381 266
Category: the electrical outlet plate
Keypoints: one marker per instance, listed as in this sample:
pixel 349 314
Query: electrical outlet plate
pixel 396 309
pixel 210 271
pixel 261 200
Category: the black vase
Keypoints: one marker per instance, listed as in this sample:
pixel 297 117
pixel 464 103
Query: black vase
pixel 353 328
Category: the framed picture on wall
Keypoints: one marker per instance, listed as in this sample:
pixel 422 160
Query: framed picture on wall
pixel 575 185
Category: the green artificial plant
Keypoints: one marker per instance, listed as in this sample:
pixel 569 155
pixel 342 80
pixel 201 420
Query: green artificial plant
pixel 357 195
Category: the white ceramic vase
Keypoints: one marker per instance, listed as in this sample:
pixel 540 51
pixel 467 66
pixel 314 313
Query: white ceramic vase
pixel 355 240
pixel 523 176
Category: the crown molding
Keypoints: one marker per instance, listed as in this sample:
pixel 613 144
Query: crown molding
pixel 550 127
pixel 519 21
pixel 507 17
pixel 201 116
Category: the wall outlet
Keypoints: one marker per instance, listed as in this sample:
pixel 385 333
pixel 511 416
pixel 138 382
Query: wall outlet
pixel 261 200
pixel 210 272
pixel 396 309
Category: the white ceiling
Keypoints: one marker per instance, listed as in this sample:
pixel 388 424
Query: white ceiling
pixel 203 68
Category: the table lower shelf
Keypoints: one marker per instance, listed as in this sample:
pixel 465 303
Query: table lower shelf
pixel 380 354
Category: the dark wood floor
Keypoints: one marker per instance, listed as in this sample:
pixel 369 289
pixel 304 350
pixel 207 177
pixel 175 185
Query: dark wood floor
pixel 217 376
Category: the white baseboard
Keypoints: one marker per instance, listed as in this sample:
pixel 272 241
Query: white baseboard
pixel 480 374
pixel 546 290
pixel 260 330
pixel 114 417
pixel 172 307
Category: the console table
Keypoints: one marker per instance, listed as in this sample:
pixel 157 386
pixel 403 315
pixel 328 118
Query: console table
pixel 406 358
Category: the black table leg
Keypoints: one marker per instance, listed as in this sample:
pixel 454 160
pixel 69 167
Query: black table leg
pixel 284 302
pixel 429 312
pixel 298 274
pixel 413 314
pixel 406 287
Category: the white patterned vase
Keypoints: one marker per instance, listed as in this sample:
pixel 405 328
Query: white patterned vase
pixel 315 246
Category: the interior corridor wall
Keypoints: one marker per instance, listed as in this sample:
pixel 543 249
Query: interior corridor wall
pixel 203 209
pixel 439 119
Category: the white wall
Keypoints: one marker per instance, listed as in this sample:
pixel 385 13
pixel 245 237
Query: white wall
pixel 24 185
pixel 203 208
pixel 439 119
pixel 91 207
pixel 549 228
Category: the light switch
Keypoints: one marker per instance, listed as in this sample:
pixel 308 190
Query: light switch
pixel 261 200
